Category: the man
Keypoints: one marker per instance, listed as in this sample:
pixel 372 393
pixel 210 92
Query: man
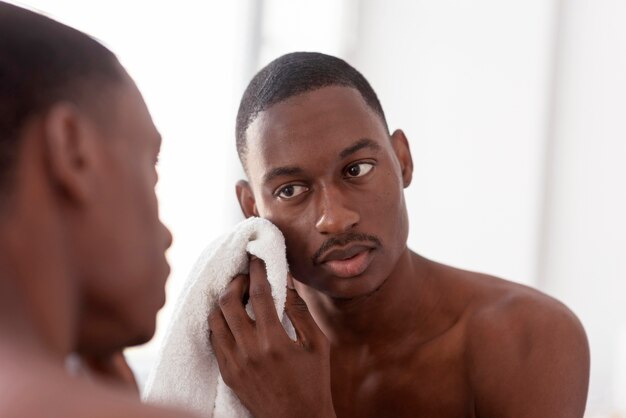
pixel 382 331
pixel 82 266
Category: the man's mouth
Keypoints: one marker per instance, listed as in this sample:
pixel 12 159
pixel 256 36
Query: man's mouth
pixel 348 262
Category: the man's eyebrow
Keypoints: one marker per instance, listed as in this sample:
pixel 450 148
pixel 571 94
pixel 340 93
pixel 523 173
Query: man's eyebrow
pixel 281 171
pixel 360 144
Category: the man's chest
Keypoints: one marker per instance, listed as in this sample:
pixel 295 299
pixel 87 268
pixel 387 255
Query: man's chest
pixel 430 382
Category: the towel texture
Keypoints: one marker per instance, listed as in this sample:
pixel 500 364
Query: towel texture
pixel 186 372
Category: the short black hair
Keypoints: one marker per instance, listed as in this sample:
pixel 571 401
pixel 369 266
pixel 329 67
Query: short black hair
pixel 43 62
pixel 293 74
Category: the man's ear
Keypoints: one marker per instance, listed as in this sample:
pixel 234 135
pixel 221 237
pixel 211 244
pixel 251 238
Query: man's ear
pixel 403 153
pixel 70 151
pixel 246 199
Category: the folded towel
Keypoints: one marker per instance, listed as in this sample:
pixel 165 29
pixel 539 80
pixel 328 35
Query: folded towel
pixel 186 373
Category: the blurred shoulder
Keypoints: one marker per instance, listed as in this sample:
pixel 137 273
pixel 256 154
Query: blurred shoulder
pixel 42 389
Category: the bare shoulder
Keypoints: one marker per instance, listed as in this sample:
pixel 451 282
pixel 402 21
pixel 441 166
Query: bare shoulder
pixel 501 310
pixel 527 353
pixel 44 390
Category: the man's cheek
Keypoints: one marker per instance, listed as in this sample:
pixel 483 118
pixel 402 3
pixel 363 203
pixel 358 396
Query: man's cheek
pixel 389 200
pixel 290 226
pixel 299 248
pixel 297 261
pixel 280 221
pixel 296 250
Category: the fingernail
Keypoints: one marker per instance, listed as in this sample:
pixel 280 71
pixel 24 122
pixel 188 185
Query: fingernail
pixel 290 284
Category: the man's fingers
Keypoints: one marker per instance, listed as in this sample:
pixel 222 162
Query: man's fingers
pixel 261 299
pixel 307 331
pixel 219 332
pixel 220 338
pixel 231 305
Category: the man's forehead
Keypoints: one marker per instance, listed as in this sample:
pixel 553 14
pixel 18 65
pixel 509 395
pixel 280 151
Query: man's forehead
pixel 302 110
pixel 319 124
pixel 314 114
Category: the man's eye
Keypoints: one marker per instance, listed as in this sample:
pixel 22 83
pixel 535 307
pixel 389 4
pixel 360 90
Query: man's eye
pixel 358 170
pixel 291 191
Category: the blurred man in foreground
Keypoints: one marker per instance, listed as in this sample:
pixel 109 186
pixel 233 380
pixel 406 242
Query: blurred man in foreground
pixel 82 265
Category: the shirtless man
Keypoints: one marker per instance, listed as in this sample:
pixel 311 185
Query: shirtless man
pixel 382 331
pixel 82 266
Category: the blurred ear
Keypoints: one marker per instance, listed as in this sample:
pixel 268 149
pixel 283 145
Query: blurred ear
pixel 246 199
pixel 403 153
pixel 71 152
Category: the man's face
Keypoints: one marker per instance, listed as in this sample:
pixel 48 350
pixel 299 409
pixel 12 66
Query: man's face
pixel 121 241
pixel 323 168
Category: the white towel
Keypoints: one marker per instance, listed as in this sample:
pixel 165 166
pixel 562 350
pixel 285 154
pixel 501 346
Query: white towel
pixel 186 372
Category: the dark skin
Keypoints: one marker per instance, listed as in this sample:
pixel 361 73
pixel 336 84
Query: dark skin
pixel 80 243
pixel 406 336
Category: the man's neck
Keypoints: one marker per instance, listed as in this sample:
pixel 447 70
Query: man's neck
pixel 37 304
pixel 389 314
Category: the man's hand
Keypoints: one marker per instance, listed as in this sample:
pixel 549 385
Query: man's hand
pixel 272 375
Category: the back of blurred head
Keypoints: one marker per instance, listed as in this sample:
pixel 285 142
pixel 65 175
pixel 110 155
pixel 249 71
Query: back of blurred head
pixel 77 177
pixel 42 63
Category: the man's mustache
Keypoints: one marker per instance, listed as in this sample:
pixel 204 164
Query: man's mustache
pixel 342 240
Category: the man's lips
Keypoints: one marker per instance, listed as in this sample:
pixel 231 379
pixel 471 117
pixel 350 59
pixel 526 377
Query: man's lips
pixel 347 262
pixel 344 252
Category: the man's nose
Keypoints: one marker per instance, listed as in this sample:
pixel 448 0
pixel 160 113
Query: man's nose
pixel 335 216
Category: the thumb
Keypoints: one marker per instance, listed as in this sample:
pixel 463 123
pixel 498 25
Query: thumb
pixel 307 331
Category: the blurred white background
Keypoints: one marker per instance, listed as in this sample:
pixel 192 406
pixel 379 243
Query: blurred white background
pixel 515 111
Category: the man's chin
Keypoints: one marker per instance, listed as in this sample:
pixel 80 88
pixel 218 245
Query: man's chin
pixel 357 297
pixel 140 339
pixel 144 334
pixel 103 344
pixel 350 290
